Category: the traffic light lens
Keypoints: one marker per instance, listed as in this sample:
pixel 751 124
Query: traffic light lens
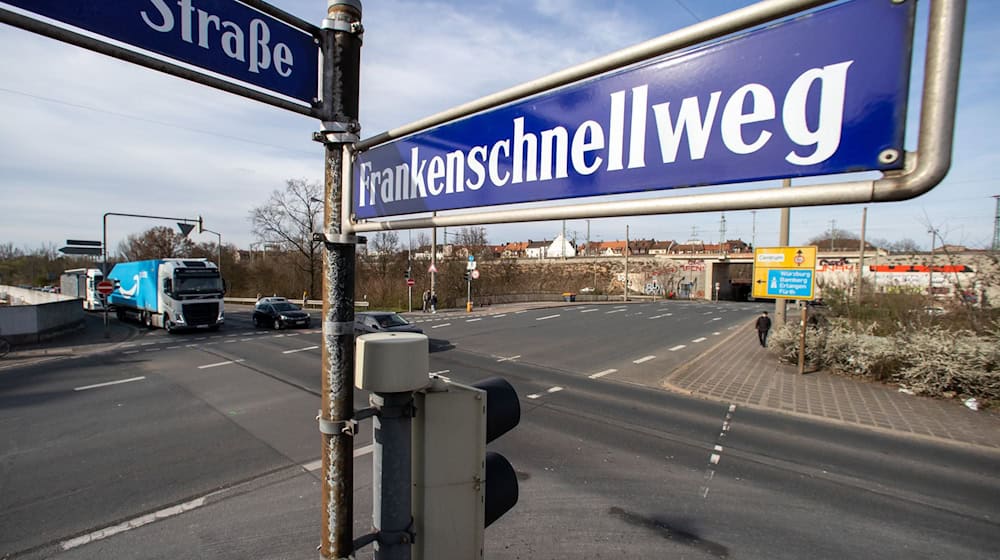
pixel 501 487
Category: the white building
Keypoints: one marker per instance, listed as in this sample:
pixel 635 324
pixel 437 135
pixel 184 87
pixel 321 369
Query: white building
pixel 559 248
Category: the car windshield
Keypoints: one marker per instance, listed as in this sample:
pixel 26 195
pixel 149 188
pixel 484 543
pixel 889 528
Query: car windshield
pixel 285 306
pixel 390 320
pixel 201 283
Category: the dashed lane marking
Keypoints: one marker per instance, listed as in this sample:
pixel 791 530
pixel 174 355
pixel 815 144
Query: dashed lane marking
pixel 701 339
pixel 615 311
pixel 546 317
pixel 602 373
pixel 109 383
pixel 300 349
pixel 441 325
pixel 588 310
pixel 473 320
pixel 509 359
pixel 217 364
pixel 678 347
pixel 644 359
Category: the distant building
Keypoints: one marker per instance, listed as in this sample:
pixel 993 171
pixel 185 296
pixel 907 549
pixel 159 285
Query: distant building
pixel 559 248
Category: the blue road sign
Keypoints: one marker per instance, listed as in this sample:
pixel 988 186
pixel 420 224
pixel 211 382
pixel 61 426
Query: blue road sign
pixel 790 283
pixel 221 36
pixel 818 94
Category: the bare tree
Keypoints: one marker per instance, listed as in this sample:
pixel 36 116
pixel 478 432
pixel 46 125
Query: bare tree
pixel 288 220
pixel 473 240
pixel 160 242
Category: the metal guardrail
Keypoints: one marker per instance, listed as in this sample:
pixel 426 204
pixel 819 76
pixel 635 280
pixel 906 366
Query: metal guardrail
pixel 310 303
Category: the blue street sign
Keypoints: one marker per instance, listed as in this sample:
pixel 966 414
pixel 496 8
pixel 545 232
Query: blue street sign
pixel 790 283
pixel 818 94
pixel 222 36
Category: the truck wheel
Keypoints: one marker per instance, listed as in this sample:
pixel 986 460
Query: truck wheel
pixel 147 319
pixel 168 325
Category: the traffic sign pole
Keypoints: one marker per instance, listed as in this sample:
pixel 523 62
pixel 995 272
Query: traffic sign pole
pixel 339 111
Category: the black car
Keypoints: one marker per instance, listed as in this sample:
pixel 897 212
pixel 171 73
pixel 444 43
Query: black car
pixel 382 321
pixel 279 315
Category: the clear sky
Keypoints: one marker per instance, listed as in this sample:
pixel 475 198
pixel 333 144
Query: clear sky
pixel 83 134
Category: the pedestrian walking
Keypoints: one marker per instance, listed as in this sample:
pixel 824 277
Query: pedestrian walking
pixel 434 303
pixel 763 326
pixel 427 300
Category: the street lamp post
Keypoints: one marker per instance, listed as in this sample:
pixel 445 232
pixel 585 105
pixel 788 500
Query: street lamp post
pixel 930 266
pixel 219 235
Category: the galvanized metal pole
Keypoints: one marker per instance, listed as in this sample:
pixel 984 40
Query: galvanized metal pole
pixel 626 263
pixel 391 514
pixel 779 304
pixel 341 70
pixel 861 252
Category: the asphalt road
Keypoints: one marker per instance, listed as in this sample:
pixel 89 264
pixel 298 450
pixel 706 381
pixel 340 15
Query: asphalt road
pixel 205 445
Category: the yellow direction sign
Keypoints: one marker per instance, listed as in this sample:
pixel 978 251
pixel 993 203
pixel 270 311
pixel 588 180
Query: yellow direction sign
pixel 784 272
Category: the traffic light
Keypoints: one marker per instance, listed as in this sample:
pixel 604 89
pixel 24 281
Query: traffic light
pixel 406 274
pixel 459 488
pixel 465 276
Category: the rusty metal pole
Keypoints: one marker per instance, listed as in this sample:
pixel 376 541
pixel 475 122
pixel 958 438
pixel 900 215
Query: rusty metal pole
pixel 342 34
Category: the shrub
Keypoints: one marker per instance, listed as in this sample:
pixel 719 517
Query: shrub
pixel 932 361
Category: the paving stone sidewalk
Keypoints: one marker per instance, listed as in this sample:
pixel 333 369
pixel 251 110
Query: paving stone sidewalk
pixel 738 370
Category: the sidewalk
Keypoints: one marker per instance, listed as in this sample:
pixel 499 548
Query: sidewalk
pixel 738 370
pixel 85 341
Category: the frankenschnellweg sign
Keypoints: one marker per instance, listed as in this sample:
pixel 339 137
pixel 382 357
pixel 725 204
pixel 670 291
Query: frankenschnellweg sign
pixel 226 37
pixel 820 94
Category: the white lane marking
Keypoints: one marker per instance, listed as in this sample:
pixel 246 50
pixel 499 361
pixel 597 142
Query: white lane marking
pixel 473 320
pixel 278 336
pixel 701 339
pixel 620 306
pixel 132 524
pixel 246 339
pixel 226 363
pixel 293 334
pixel 519 312
pixel 500 315
pixel 602 373
pixel 147 343
pixel 231 341
pixel 509 359
pixel 131 352
pixel 615 311
pixel 546 317
pixel 716 318
pixel 716 455
pixel 549 390
pixel 717 333
pixel 643 359
pixel 657 316
pixel 172 347
pixel 201 338
pixel 128 345
pixel 152 349
pixel 441 325
pixel 300 349
pixel 669 315
pixel 129 380
pixel 588 310
pixel 678 347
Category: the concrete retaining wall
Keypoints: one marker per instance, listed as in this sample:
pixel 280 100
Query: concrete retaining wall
pixel 36 316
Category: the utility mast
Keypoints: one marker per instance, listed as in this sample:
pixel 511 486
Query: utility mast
pixel 996 225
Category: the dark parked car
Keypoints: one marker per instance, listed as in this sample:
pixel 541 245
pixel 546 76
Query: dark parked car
pixel 382 321
pixel 279 315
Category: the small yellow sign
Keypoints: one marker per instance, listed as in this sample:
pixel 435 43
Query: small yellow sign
pixel 784 272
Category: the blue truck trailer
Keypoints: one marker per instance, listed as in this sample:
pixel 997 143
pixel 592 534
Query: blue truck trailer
pixel 172 294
